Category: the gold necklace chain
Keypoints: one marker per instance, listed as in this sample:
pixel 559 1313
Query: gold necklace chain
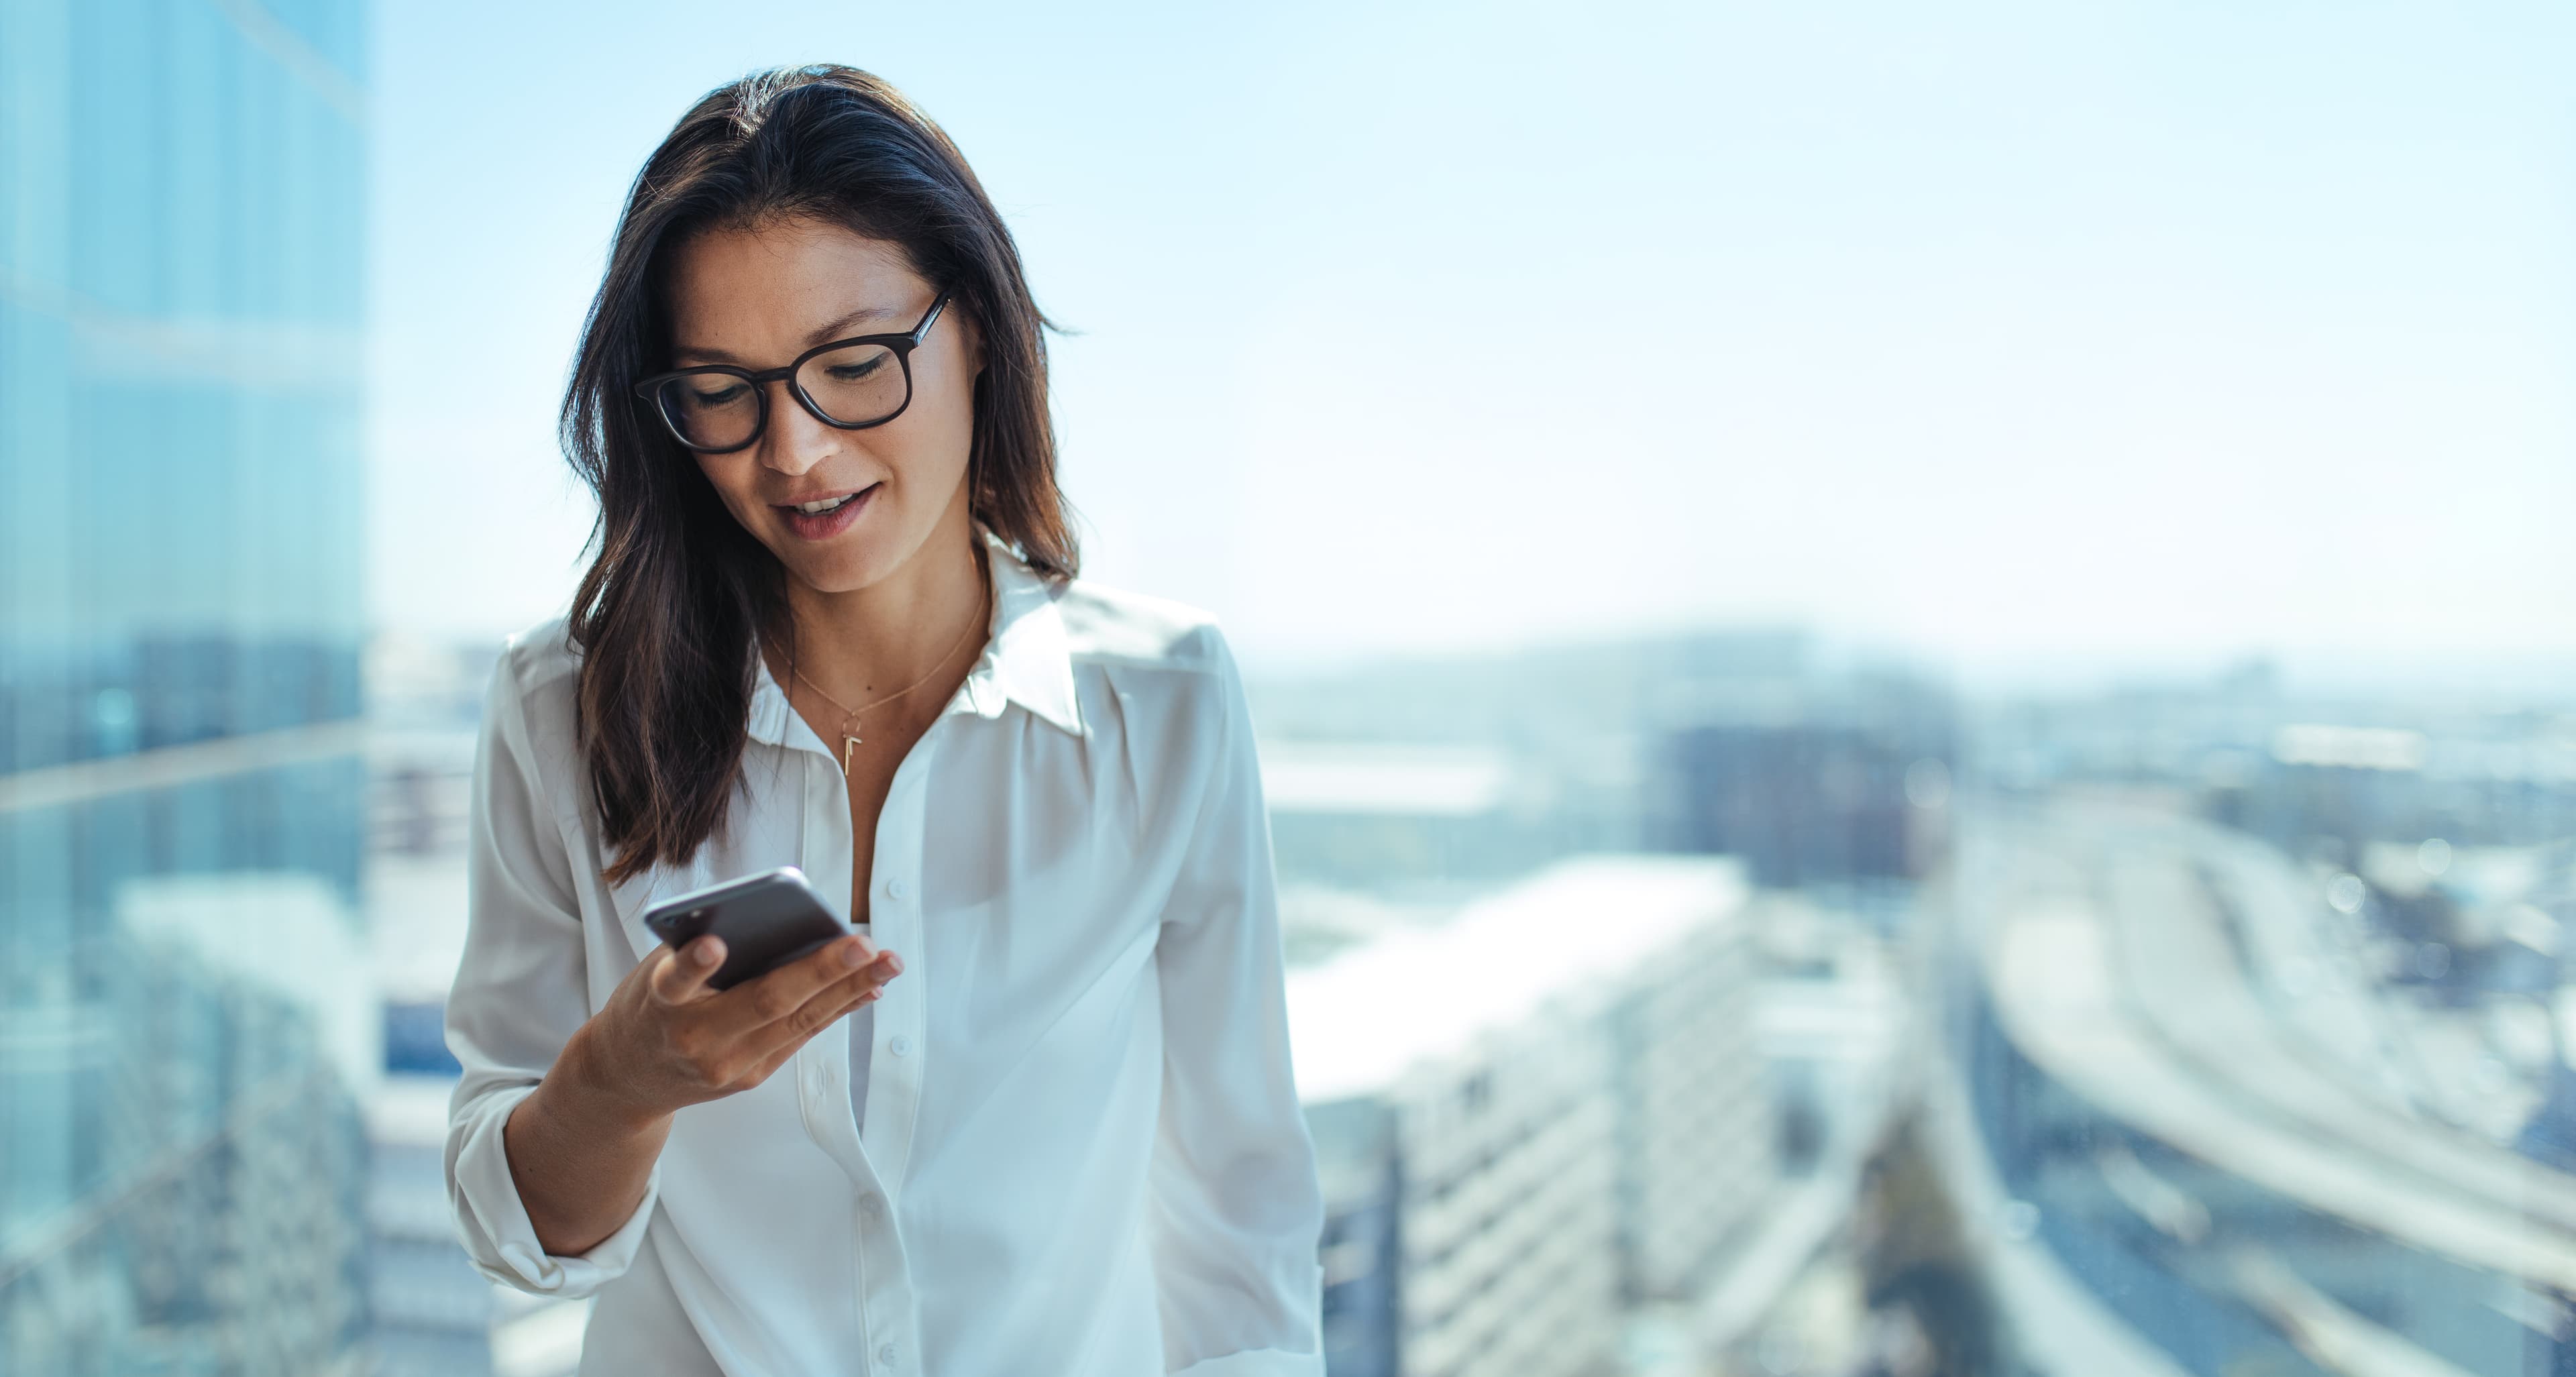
pixel 850 715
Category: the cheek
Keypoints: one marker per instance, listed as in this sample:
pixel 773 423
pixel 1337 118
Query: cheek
pixel 928 445
pixel 957 413
pixel 732 482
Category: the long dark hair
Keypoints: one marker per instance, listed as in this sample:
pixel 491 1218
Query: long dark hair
pixel 677 593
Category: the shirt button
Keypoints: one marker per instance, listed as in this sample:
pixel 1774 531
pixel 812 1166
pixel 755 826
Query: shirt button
pixel 871 1205
pixel 885 1354
pixel 897 888
pixel 901 1045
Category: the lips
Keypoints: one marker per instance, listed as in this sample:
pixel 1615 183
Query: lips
pixel 824 515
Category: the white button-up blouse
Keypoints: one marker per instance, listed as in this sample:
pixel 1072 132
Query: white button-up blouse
pixel 1081 1153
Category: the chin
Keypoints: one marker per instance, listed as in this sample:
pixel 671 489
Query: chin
pixel 844 574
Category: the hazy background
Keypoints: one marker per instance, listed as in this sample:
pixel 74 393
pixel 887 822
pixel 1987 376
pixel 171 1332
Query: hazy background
pixel 1996 576
pixel 2043 341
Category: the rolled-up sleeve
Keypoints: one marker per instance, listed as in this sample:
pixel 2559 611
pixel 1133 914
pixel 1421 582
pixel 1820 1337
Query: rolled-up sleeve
pixel 519 995
pixel 1237 1211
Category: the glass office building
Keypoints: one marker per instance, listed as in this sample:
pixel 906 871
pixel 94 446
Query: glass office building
pixel 185 1027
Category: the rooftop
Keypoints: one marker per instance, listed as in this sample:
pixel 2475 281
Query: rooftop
pixel 1365 1017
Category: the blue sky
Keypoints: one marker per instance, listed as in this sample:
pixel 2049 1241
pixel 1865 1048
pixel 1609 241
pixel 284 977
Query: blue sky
pixel 2029 338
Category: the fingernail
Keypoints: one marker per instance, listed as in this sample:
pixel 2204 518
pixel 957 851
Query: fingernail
pixel 852 955
pixel 703 953
pixel 894 965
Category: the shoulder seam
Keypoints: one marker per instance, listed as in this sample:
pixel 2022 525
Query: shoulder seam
pixel 549 646
pixel 1115 626
pixel 1164 662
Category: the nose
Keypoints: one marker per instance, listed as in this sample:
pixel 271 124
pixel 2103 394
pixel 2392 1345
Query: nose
pixel 794 440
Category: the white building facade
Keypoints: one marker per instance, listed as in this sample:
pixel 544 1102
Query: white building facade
pixel 1532 1115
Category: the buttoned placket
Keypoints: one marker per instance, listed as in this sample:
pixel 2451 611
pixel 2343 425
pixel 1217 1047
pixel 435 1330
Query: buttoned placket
pixel 876 1153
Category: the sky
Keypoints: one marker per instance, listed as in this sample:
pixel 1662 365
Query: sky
pixel 2026 339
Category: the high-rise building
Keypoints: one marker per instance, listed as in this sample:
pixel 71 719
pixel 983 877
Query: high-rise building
pixel 185 1030
pixel 1804 803
pixel 1532 1115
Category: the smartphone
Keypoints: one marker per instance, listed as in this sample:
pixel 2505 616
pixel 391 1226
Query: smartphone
pixel 766 921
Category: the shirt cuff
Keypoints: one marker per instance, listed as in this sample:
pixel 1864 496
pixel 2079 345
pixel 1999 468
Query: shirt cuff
pixel 1258 1362
pixel 498 1234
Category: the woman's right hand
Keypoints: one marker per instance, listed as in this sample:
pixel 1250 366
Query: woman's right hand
pixel 666 1040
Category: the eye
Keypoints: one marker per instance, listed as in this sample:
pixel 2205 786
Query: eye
pixel 853 372
pixel 723 394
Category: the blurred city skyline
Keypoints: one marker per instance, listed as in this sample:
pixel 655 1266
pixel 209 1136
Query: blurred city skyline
pixel 1966 610
pixel 2035 345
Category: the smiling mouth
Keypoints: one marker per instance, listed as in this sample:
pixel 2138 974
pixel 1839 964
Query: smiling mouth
pixel 825 506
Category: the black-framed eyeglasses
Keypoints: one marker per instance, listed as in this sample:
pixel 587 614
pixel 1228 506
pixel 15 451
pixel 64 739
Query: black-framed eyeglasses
pixel 853 384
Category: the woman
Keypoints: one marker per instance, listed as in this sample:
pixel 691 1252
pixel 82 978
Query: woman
pixel 833 623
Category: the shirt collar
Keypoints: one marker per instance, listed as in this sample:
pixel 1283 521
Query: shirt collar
pixel 1027 657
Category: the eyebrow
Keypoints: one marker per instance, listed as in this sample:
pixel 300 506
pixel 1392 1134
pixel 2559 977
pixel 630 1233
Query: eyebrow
pixel 829 330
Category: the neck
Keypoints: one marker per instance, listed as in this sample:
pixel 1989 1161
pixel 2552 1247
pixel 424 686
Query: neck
pixel 867 642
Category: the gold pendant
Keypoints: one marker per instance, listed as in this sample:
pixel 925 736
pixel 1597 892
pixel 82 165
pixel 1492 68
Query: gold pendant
pixel 849 748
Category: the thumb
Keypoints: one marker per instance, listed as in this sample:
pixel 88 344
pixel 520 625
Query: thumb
pixel 680 976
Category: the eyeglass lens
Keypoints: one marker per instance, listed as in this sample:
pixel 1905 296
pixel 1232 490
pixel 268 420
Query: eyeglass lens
pixel 853 386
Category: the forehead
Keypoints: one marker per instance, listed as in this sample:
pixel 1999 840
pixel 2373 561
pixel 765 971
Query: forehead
pixel 757 290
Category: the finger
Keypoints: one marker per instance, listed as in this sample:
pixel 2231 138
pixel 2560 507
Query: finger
pixel 777 995
pixel 797 1035
pixel 681 977
pixel 872 977
pixel 761 1069
pixel 827 1007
